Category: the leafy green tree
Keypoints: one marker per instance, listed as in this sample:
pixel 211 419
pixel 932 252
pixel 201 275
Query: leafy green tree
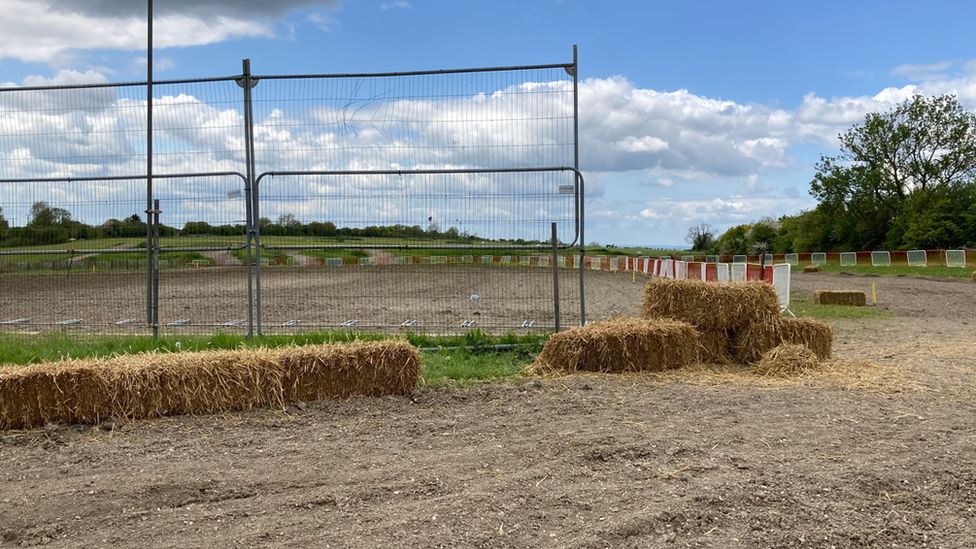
pixel 893 167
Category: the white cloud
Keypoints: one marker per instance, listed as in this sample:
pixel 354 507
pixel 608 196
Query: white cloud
pixel 396 5
pixel 45 30
pixel 923 71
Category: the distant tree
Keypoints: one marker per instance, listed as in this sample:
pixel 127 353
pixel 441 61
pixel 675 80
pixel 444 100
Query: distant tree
pixel 3 225
pixel 700 237
pixel 43 215
pixel 289 220
pixel 923 146
pixel 733 241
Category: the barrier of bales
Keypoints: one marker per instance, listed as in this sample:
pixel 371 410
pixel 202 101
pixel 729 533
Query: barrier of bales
pixel 840 297
pixel 974 276
pixel 154 385
pixel 811 269
pixel 710 305
pixel 715 346
pixel 621 345
pixel 787 360
pixel 758 338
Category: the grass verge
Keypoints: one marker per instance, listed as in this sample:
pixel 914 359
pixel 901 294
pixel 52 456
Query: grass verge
pixel 460 359
pixel 803 305
pixel 900 270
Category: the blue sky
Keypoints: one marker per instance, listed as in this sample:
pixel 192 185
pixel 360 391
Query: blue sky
pixel 733 101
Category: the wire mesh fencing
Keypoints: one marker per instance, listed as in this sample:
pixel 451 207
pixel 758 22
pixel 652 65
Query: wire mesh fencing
pixel 295 202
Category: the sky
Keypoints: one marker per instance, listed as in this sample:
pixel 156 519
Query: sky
pixel 691 112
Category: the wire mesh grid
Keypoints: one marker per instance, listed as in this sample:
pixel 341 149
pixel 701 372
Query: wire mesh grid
pixel 415 245
pixel 418 251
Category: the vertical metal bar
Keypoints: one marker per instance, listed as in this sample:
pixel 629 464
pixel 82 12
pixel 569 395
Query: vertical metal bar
pixel 555 275
pixel 155 270
pixel 250 222
pixel 149 165
pixel 579 190
pixel 249 83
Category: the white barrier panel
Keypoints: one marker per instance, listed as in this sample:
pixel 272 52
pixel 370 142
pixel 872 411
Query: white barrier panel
pixel 917 258
pixel 614 264
pixel 657 267
pixel 665 257
pixel 687 258
pixel 506 259
pixel 596 263
pixel 711 259
pixel 738 272
pixel 561 261
pixel 880 259
pixel 667 268
pixel 576 262
pixel 487 259
pixel 723 271
pixel 544 261
pixel 438 260
pixel 739 259
pixel 848 259
pixel 680 270
pixel 365 261
pixel 956 258
pixel 333 261
pixel 647 263
pixel 467 259
pixel 704 271
pixel 525 260
pixel 781 283
pixel 768 259
pixel 403 260
pixel 793 259
pixel 818 258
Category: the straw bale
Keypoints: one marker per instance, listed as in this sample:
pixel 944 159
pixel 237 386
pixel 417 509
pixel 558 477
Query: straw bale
pixel 974 276
pixel 787 360
pixel 710 305
pixel 716 346
pixel 811 269
pixel 840 297
pixel 754 341
pixel 161 384
pixel 621 345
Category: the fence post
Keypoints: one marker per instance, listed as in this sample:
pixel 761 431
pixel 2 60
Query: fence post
pixel 149 171
pixel 251 241
pixel 580 192
pixel 555 275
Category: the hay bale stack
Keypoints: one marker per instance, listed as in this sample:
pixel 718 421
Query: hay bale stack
pixel 154 385
pixel 621 345
pixel 811 269
pixel 759 338
pixel 787 360
pixel 710 305
pixel 715 346
pixel 840 297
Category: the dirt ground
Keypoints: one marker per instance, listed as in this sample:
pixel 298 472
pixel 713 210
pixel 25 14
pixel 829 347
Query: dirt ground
pixel 439 297
pixel 594 461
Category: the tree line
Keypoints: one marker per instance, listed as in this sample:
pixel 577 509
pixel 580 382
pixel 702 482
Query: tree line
pixel 53 225
pixel 904 179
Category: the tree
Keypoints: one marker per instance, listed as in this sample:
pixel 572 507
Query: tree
pixel 289 220
pixel 3 225
pixel 700 237
pixel 923 146
pixel 43 215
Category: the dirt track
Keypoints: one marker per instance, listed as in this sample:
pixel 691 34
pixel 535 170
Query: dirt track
pixel 572 462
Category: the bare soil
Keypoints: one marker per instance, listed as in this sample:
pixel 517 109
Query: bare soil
pixel 589 461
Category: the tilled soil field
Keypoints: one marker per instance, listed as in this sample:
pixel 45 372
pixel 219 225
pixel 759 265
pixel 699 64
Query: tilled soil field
pixel 589 461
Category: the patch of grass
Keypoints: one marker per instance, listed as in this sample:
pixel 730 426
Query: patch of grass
pixel 802 305
pixel 475 360
pixel 900 270
pixel 463 367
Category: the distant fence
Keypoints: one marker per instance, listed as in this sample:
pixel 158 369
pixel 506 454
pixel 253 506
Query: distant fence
pixel 961 258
